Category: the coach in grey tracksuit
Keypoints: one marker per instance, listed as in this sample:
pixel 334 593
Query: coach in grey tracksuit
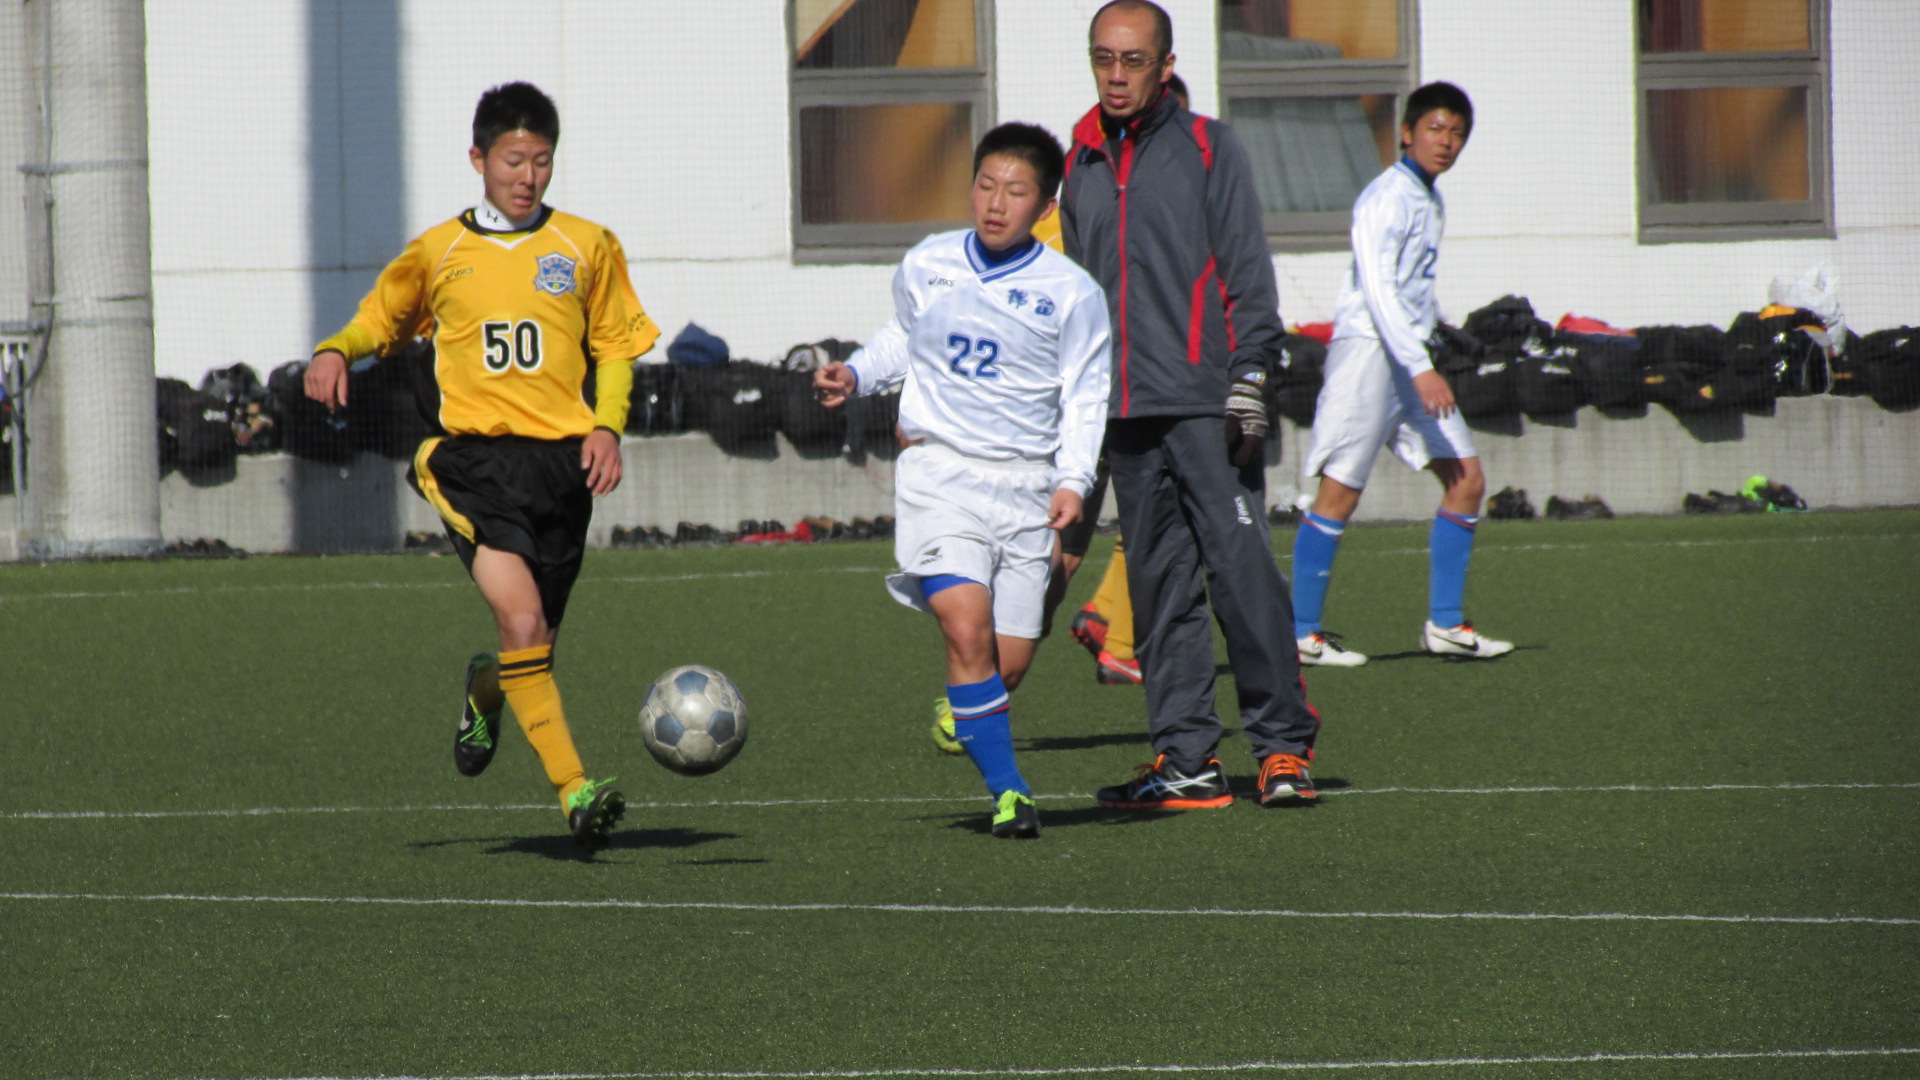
pixel 1160 209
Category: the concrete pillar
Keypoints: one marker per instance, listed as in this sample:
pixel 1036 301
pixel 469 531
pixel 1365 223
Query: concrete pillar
pixel 93 462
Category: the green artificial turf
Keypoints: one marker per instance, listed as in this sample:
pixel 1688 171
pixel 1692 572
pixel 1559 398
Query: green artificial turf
pixel 219 780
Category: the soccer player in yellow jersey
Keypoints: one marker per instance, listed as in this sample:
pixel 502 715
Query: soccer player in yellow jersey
pixel 521 302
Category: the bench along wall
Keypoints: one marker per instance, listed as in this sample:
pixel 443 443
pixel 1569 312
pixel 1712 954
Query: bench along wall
pixel 1837 453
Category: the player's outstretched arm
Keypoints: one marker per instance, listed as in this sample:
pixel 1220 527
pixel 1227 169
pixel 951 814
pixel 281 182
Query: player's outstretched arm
pixel 326 380
pixel 600 460
pixel 1065 509
pixel 834 383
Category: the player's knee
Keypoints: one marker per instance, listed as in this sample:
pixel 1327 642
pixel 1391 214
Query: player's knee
pixel 522 628
pixel 969 643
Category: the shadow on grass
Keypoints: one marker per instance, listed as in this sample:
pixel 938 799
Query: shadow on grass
pixel 1422 654
pixel 1085 742
pixel 982 823
pixel 561 847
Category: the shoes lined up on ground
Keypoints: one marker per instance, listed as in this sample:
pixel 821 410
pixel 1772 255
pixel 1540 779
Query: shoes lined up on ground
pixel 479 732
pixel 1015 817
pixel 1462 640
pixel 593 811
pixel 1089 629
pixel 1322 649
pixel 1162 786
pixel 943 736
pixel 1110 670
pixel 1284 781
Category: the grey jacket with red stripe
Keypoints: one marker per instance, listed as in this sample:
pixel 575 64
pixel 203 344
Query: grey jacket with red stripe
pixel 1162 212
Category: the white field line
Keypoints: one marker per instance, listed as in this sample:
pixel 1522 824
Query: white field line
pixel 964 909
pixel 647 579
pixel 353 586
pixel 721 804
pixel 1239 1067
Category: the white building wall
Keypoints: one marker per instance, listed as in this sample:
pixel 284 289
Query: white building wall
pixel 675 134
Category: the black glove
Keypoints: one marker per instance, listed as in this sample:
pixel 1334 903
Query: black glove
pixel 1247 424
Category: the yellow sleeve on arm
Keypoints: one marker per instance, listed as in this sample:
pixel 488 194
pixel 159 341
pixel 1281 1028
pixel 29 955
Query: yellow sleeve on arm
pixel 619 332
pixel 613 394
pixel 389 314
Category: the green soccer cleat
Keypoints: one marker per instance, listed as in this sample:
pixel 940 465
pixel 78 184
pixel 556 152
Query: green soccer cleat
pixel 592 813
pixel 479 733
pixel 1015 817
pixel 943 736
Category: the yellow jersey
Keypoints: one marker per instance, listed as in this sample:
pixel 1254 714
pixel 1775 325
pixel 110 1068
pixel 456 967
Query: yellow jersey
pixel 1047 231
pixel 515 318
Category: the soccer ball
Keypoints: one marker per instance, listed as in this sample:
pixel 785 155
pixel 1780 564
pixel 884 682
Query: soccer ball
pixel 694 720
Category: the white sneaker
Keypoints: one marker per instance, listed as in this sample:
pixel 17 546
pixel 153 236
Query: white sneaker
pixel 1463 640
pixel 1321 649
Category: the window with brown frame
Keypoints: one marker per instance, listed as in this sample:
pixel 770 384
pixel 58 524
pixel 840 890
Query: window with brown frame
pixel 1312 88
pixel 1733 120
pixel 888 99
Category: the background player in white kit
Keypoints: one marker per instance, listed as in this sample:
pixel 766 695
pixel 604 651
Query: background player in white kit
pixel 1381 389
pixel 1002 344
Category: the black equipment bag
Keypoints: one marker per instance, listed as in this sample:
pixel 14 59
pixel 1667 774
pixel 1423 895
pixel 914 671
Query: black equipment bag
pixel 736 403
pixel 194 432
pixel 1293 390
pixel 656 406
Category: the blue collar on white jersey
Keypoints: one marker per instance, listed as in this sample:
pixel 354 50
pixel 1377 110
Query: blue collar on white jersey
pixel 992 266
pixel 1418 172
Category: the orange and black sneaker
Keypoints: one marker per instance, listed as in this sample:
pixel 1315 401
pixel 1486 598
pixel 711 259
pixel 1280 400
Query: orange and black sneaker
pixel 1284 781
pixel 1110 670
pixel 1163 786
pixel 1089 629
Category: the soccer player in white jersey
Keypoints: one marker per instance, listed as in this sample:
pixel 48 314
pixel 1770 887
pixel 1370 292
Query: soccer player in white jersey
pixel 1002 345
pixel 1381 389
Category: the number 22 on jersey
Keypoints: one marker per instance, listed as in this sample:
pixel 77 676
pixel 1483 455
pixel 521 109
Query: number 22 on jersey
pixel 983 352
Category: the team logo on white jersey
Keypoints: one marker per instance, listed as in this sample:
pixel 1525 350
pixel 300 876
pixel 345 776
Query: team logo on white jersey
pixel 556 274
pixel 1020 298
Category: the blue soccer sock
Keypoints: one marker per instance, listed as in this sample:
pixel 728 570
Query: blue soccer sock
pixel 1449 548
pixel 1315 543
pixel 981 724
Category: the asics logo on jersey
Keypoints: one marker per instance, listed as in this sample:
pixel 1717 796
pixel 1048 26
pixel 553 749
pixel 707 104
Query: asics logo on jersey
pixel 460 273
pixel 1241 514
pixel 556 274
pixel 940 281
pixel 932 554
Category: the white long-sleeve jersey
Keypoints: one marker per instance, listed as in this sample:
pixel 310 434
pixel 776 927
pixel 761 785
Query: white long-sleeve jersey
pixel 1388 293
pixel 1008 362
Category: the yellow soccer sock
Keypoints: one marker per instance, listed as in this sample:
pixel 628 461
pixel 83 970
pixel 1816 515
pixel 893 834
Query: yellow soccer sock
pixel 1115 604
pixel 526 675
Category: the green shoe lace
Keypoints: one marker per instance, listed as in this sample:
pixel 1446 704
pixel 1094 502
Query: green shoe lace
pixel 585 795
pixel 481 734
pixel 1008 805
pixel 943 736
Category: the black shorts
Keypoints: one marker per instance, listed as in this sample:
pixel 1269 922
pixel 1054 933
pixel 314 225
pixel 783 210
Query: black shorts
pixel 527 496
pixel 1077 537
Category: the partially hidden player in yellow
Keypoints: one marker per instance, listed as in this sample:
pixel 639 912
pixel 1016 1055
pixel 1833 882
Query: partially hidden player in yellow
pixel 521 302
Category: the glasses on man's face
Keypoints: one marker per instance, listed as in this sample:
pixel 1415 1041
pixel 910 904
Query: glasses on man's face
pixel 1132 61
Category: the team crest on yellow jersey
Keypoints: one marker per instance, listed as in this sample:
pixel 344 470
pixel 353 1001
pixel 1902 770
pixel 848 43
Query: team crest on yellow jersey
pixel 556 274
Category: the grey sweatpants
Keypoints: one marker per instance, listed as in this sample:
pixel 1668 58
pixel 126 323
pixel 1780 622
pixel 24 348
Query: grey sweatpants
pixel 1185 510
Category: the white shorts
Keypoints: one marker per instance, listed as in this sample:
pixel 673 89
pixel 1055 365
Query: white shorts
pixel 984 520
pixel 1367 402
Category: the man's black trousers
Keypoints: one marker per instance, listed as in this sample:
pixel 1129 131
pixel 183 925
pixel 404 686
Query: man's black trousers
pixel 1196 527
